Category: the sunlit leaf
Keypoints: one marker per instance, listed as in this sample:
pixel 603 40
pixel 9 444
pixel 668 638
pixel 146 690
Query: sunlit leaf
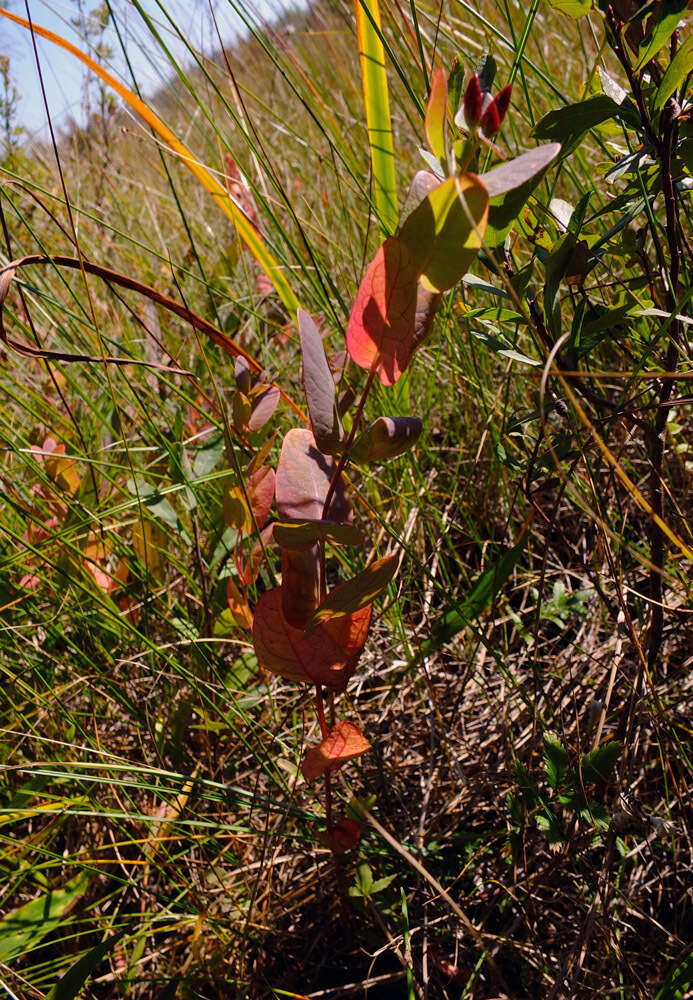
pixel 677 71
pixel 344 742
pixel 238 606
pixel 327 656
pixel 377 103
pixel 303 478
pixel 573 8
pixel 436 113
pixel 303 534
pixel 381 325
pixel 24 928
pixel 514 173
pixel 319 386
pixel 386 438
pixel 667 20
pixel 443 234
pixel 354 594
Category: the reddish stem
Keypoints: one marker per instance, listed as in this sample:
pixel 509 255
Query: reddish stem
pixel 350 440
pixel 320 709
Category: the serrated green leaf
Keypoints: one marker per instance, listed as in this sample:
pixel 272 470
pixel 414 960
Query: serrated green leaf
pixel 598 764
pixel 555 759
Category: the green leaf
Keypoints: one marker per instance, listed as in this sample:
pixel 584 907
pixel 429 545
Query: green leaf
pixel 598 764
pixel 668 18
pixel 573 8
pixel 377 102
pixel 478 599
pixel 24 928
pixel 555 759
pixel 361 590
pixel 569 124
pixel 69 985
pixel 677 71
pixel 680 979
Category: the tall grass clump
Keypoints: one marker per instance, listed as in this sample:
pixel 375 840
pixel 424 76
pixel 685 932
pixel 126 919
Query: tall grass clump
pixel 347 531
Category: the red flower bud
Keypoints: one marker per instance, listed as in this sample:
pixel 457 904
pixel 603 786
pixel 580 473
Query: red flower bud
pixel 473 102
pixel 496 111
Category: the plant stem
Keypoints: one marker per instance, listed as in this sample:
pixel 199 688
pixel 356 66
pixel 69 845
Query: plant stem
pixel 320 710
pixel 350 440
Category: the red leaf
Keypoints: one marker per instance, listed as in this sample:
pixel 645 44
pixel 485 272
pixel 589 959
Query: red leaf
pixel 346 833
pixel 327 656
pixel 381 325
pixel 261 493
pixel 303 479
pixel 344 742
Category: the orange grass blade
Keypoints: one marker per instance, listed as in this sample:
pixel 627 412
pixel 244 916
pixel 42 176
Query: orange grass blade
pixel 208 181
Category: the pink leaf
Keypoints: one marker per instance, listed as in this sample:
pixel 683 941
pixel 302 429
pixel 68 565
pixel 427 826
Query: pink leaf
pixel 381 325
pixel 344 742
pixel 303 479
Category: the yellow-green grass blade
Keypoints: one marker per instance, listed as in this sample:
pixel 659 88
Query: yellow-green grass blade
pixel 377 102
pixel 245 230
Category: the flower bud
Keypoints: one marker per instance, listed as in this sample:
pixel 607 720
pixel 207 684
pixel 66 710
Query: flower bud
pixel 473 102
pixel 495 112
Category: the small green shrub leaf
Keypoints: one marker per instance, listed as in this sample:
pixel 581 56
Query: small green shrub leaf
pixel 573 8
pixel 23 929
pixel 667 20
pixel 598 764
pixel 555 759
pixel 677 71
pixel 568 125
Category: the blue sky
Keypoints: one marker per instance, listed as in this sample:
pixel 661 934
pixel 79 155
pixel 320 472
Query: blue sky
pixel 64 75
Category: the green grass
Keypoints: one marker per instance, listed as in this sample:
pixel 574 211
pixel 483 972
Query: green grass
pixel 150 784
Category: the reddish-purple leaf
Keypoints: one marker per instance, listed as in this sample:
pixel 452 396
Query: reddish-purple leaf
pixel 300 584
pixel 304 475
pixel 264 400
pixel 436 113
pixel 318 383
pixel 517 172
pixel 327 656
pixel 242 374
pixel 344 742
pixel 386 438
pixel 381 325
pixel 349 597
